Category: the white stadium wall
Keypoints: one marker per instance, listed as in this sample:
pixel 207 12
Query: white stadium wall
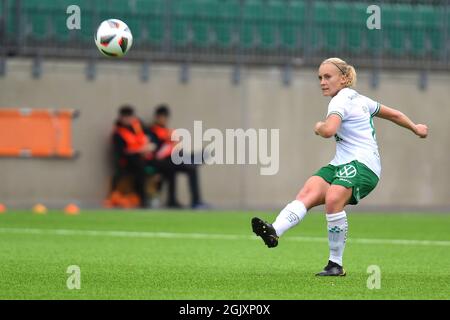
pixel 415 171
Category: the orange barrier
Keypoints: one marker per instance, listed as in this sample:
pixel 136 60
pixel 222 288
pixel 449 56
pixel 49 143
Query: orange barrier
pixel 36 132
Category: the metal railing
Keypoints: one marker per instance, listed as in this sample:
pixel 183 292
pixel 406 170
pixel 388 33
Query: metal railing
pixel 266 32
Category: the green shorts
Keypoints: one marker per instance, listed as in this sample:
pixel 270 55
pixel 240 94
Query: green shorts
pixel 355 175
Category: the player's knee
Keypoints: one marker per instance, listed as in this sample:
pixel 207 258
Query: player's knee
pixel 334 202
pixel 310 198
pixel 305 193
pixel 302 193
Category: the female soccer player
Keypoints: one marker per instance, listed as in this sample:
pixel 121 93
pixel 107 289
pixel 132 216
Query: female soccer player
pixel 352 174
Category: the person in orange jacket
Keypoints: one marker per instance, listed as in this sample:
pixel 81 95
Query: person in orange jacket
pixel 133 149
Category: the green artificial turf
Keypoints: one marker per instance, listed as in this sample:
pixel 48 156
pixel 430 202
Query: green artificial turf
pixel 214 255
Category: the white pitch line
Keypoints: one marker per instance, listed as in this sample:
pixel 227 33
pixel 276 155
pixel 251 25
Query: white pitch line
pixel 208 236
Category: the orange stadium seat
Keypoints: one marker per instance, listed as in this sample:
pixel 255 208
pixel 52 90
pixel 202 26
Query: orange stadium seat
pixel 36 132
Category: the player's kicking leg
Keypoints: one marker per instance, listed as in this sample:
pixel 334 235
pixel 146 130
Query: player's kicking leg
pixel 312 194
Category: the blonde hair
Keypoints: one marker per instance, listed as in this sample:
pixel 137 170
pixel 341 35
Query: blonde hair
pixel 348 71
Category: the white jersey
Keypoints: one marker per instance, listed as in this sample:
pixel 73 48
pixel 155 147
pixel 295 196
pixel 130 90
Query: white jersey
pixel 355 139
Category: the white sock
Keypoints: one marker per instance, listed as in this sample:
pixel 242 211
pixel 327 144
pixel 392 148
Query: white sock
pixel 289 217
pixel 337 235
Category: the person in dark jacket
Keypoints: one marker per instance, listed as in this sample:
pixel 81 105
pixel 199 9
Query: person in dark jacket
pixel 163 162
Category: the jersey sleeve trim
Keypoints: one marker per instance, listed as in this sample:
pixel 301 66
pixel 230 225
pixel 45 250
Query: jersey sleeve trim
pixel 336 113
pixel 377 109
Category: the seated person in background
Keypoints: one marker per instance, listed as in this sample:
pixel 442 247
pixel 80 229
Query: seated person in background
pixel 163 162
pixel 132 149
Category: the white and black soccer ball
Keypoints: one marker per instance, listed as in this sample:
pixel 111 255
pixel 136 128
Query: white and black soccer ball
pixel 113 38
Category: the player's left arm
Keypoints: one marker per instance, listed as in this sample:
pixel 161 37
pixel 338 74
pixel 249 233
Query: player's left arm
pixel 402 120
pixel 329 127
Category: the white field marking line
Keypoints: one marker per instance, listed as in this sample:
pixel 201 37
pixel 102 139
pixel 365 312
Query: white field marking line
pixel 208 236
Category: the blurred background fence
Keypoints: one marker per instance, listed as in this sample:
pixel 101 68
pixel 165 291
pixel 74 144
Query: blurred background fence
pixel 413 34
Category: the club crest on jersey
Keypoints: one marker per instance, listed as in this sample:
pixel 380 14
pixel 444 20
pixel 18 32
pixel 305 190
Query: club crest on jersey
pixel 348 171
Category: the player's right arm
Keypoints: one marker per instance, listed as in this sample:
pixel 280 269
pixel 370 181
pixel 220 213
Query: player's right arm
pixel 402 120
pixel 329 127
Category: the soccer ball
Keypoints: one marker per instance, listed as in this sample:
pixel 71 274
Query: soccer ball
pixel 113 38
